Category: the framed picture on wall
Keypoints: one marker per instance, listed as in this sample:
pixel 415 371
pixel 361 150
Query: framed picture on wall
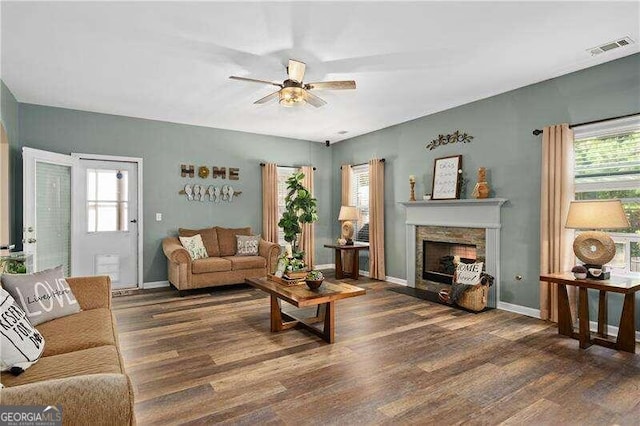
pixel 447 175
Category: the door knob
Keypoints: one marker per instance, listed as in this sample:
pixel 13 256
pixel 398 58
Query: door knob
pixel 31 240
pixel 133 221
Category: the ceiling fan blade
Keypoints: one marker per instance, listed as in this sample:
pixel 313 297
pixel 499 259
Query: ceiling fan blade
pixel 296 70
pixel 313 99
pixel 267 98
pixel 253 80
pixel 331 85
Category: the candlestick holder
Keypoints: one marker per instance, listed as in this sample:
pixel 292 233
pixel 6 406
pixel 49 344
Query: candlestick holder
pixel 412 197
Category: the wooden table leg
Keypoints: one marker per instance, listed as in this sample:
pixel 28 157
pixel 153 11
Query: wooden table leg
pixel 583 317
pixel 565 324
pixel 602 314
pixel 356 265
pixel 626 340
pixel 339 271
pixel 329 322
pixel 276 316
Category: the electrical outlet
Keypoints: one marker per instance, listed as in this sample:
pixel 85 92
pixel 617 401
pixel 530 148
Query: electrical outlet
pixel 158 217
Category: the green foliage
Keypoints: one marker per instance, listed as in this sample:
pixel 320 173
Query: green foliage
pixel 301 208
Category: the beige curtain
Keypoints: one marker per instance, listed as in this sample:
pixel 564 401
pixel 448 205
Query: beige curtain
pixel 347 177
pixel 308 240
pixel 556 253
pixel 270 202
pixel 376 219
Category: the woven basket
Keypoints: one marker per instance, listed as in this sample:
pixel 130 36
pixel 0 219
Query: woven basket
pixel 475 298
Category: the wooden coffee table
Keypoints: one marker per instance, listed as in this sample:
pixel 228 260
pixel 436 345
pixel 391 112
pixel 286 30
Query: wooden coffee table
pixel 301 296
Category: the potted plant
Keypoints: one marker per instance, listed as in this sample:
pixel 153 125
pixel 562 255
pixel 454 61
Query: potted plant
pixel 580 272
pixel 300 208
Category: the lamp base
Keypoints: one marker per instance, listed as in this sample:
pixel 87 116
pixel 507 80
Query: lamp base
pixel 349 242
pixel 597 272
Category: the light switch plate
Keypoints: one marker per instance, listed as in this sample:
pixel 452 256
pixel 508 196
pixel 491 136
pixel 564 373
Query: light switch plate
pixel 158 217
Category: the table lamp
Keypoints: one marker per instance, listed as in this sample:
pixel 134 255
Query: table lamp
pixel 595 248
pixel 347 214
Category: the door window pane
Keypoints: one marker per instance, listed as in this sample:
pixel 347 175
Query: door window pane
pixel 53 216
pixel 107 200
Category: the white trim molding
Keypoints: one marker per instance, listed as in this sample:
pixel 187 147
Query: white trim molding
pixel 154 284
pixel 325 266
pixel 519 309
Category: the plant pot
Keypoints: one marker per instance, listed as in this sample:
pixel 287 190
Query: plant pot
pixel 580 275
pixel 314 284
pixel 296 274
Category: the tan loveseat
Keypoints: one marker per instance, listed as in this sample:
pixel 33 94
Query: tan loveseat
pixel 222 267
pixel 81 368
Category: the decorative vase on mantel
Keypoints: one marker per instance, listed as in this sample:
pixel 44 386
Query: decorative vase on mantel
pixel 481 189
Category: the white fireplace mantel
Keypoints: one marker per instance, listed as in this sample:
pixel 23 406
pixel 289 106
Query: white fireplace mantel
pixel 468 213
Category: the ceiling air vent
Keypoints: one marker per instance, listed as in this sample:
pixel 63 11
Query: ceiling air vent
pixel 625 41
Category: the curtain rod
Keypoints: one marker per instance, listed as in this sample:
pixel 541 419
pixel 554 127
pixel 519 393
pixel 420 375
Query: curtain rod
pixel 362 164
pixel 537 132
pixel 293 167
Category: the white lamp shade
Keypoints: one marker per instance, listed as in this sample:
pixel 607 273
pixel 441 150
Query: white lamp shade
pixel 596 214
pixel 349 213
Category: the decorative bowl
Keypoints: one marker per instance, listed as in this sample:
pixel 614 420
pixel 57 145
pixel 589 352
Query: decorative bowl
pixel 580 275
pixel 314 284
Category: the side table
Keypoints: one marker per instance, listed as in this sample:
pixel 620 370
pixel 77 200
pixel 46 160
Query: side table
pixel 626 340
pixel 355 249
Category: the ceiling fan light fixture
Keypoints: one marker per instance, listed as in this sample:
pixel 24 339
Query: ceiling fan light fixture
pixel 291 96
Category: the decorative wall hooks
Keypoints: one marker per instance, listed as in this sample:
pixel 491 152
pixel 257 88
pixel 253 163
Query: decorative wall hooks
pixel 454 137
pixel 213 194
pixel 188 170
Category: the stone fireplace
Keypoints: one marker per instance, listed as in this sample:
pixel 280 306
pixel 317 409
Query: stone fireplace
pixel 438 231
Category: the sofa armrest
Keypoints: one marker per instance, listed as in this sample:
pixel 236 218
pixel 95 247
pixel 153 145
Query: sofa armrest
pixel 269 251
pixel 91 292
pixel 175 252
pixel 94 399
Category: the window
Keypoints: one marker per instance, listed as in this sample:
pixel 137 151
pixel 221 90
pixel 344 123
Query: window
pixel 607 165
pixel 107 200
pixel 360 199
pixel 284 173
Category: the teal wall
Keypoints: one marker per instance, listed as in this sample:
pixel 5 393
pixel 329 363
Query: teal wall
pixel 501 126
pixel 9 108
pixel 163 147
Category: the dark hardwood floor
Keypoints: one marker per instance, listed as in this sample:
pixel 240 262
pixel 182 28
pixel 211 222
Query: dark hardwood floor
pixel 210 358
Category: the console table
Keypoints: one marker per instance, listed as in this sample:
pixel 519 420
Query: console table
pixel 626 340
pixel 355 249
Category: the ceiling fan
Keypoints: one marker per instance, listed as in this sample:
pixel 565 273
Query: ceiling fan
pixel 294 92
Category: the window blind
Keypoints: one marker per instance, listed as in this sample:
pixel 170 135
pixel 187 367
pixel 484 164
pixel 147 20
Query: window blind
pixel 608 159
pixel 360 198
pixel 284 173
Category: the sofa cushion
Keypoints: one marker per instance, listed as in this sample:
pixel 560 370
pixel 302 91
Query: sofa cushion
pixel 194 246
pixel 103 359
pixel 210 264
pixel 227 239
pixel 84 330
pixel 209 238
pixel 247 262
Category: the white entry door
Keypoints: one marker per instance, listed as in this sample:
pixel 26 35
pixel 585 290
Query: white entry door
pixel 106 236
pixel 47 212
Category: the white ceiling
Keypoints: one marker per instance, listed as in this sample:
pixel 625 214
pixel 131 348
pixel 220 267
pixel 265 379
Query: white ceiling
pixel 171 61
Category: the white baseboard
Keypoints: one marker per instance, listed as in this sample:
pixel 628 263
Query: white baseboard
pixel 612 331
pixel 400 281
pixel 326 266
pixel 155 284
pixel 518 309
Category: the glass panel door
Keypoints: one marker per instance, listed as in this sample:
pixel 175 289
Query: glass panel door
pixel 47 217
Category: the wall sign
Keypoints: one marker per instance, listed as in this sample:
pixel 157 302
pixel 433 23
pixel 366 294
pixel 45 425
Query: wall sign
pixel 454 137
pixel 447 175
pixel 188 170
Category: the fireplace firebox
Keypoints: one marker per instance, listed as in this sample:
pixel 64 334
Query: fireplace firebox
pixel 438 259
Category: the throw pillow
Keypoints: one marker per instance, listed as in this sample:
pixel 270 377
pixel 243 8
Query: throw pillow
pixel 21 344
pixel 209 239
pixel 248 245
pixel 194 246
pixel 43 296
